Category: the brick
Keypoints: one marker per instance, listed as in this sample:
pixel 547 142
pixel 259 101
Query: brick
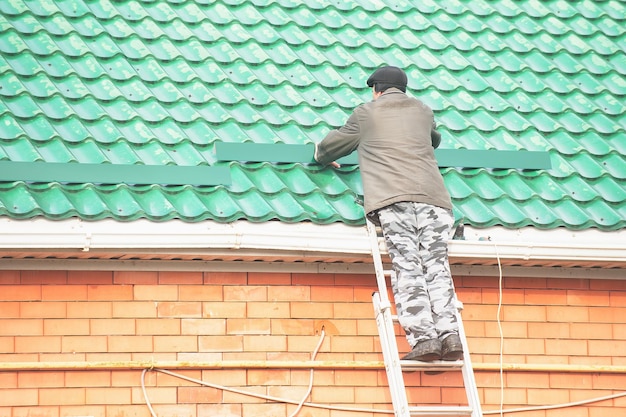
pixel 134 309
pixel 617 299
pixel 9 277
pixel 82 410
pixel 524 282
pixel 200 293
pixel 523 346
pixel 509 296
pixel 588 298
pixel 264 343
pixel 353 310
pixel 245 293
pixel 136 277
pixel 310 310
pixel 340 395
pixel 203 326
pixel 62 396
pixel 513 396
pixel 90 277
pixel 84 344
pixel 261 410
pixel 224 309
pixel 330 293
pixel 567 314
pixel 62 327
pixel 357 280
pixel 130 344
pixel 352 344
pixel 157 395
pixel 269 377
pixel 19 397
pixel 107 395
pixel 198 395
pixel 43 277
pixel 129 378
pixel 64 293
pixel 232 397
pixel 220 343
pixel 535 296
pixel 35 411
pixel 290 326
pixel 480 312
pixel 222 410
pixel 178 277
pixel 179 309
pixel 226 278
pixel 175 343
pixel 21 327
pixel 528 380
pixel 155 292
pixel 268 309
pixel 523 313
pixel 112 326
pixel 569 380
pixel 9 309
pixel 591 330
pixel 607 347
pixel 39 379
pixel 312 279
pixel 269 278
pixel 227 377
pixel 549 330
pixel 126 410
pixel 43 310
pixel 247 326
pixel 91 309
pixel 606 315
pixel 8 380
pixel 110 292
pixel 37 344
pixel 21 293
pixel 90 378
pixel 160 326
pixel 288 293
pixel 547 396
pixel 356 378
pixel 566 347
pixel 568 283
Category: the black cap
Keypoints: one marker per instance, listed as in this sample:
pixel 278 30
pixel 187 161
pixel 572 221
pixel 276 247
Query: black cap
pixel 390 76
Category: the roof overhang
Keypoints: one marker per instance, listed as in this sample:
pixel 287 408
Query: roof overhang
pixel 241 241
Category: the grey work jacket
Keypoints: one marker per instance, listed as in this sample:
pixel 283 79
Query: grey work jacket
pixel 396 138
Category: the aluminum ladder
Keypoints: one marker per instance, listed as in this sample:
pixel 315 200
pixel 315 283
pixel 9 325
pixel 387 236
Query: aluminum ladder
pixel 395 367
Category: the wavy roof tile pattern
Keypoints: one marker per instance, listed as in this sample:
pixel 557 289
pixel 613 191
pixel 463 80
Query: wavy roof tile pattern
pixel 160 83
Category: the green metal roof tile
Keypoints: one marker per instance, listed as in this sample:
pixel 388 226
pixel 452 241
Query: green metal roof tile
pixel 159 83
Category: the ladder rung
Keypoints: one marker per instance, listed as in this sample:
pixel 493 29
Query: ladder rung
pixel 411 366
pixel 387 272
pixel 450 411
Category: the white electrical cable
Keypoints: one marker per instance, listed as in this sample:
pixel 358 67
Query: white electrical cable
pixel 308 392
pixel 499 320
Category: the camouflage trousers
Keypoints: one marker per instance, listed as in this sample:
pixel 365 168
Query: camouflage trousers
pixel 417 236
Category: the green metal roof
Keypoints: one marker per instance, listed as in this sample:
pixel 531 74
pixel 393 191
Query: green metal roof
pixel 161 83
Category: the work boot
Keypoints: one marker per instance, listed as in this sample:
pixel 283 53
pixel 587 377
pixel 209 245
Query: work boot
pixel 452 348
pixel 425 351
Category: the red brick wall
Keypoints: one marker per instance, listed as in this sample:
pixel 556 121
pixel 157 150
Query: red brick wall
pixel 73 316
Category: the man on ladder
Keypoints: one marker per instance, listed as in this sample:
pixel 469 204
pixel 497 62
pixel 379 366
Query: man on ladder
pixel 405 194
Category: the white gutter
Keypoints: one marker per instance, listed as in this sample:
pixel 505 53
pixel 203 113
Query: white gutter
pixel 558 245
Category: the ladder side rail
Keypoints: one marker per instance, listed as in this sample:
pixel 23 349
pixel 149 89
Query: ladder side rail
pixel 393 367
pixel 378 263
pixel 467 371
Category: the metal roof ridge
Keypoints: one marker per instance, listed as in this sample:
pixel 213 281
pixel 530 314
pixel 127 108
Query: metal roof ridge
pixel 270 239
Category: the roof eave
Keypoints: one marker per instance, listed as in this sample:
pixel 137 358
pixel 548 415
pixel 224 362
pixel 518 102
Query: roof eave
pixel 292 242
